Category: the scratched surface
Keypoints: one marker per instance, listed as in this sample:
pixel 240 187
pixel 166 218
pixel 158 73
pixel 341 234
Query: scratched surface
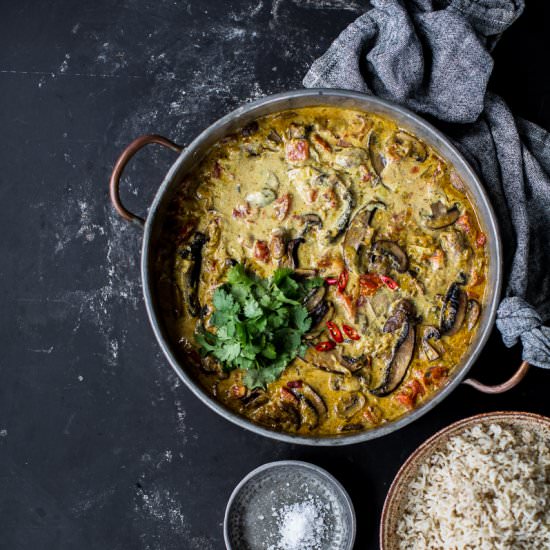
pixel 100 445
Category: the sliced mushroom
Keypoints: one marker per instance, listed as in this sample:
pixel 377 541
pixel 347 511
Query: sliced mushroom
pixel 351 157
pixel 394 252
pixel 278 415
pixel 442 216
pixel 350 404
pixel 397 366
pixel 305 272
pixel 364 375
pixel 327 361
pixel 377 160
pixel 354 427
pixel 277 244
pixel 314 298
pixel 309 415
pixel 252 149
pixel 210 365
pixel 355 237
pixel 462 278
pixel 428 334
pixel 250 129
pixel 403 310
pixel 274 137
pixel 292 251
pixel 453 310
pixel 473 312
pixel 306 392
pixel 404 145
pixel 272 181
pixel 296 131
pixel 256 398
pixel 348 202
pixel 322 313
pixel 311 221
pixel 341 382
pixel 354 364
pixel 261 198
pixel 192 264
pixel 375 205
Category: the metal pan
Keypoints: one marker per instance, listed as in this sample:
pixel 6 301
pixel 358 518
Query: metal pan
pixel 191 155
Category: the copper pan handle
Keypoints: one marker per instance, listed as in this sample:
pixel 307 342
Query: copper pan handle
pixel 505 386
pixel 126 155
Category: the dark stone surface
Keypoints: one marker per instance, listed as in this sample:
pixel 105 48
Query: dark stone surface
pixel 100 445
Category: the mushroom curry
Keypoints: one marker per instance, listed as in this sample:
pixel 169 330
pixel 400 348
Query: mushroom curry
pixel 322 270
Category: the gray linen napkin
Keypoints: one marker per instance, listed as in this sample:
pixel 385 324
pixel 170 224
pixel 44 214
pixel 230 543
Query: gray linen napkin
pixel 433 56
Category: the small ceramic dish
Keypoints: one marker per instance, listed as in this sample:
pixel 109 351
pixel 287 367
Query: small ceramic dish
pixel 398 490
pixel 254 512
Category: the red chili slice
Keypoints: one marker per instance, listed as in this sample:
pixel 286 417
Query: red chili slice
pixel 325 346
pixel 343 280
pixel 294 384
pixel 331 280
pixel 389 282
pixel 350 332
pixel 335 332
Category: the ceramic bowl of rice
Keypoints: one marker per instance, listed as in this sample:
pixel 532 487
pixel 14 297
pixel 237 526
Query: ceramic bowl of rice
pixel 482 483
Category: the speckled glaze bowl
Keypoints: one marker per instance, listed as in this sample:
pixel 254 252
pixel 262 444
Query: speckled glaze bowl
pixel 193 154
pixel 250 521
pixel 396 496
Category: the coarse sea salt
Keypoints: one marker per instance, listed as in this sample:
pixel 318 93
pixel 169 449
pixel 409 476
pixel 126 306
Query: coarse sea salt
pixel 301 525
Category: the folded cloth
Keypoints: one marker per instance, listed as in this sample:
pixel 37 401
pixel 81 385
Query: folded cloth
pixel 434 57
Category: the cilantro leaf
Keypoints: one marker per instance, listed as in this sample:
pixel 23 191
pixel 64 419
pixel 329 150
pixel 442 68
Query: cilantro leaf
pixel 258 324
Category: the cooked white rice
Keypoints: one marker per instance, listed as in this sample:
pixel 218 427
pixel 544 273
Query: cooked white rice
pixel 488 488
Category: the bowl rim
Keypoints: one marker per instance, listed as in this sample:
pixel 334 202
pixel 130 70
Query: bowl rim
pixel 317 470
pixel 429 444
pixel 251 111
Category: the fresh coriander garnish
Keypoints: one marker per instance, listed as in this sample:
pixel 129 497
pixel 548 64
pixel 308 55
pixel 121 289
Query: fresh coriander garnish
pixel 259 323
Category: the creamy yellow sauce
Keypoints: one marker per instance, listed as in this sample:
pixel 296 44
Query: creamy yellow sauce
pixel 370 186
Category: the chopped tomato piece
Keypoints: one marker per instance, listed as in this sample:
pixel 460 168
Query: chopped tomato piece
pixel 282 206
pixel 369 283
pixel 241 210
pixel 437 259
pixel 372 414
pixel 434 375
pixel 261 251
pixel 325 346
pixel 405 400
pixel 477 278
pixel 348 303
pixel 330 198
pixel 238 391
pixel 463 222
pixel 365 173
pixel 416 388
pixel 350 332
pixel 481 239
pixel 297 150
pixel 335 332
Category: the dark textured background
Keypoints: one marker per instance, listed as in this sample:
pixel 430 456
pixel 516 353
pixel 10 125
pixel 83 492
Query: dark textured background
pixel 100 445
